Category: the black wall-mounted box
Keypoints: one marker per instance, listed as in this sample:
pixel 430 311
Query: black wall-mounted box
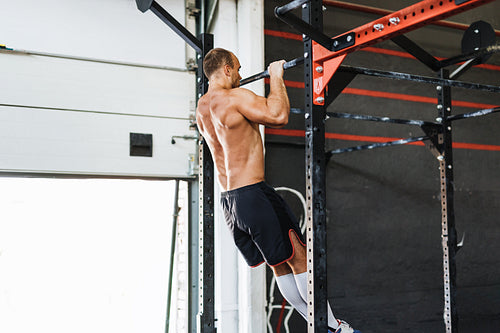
pixel 141 144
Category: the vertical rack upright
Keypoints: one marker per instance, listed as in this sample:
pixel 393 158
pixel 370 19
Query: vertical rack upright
pixel 315 115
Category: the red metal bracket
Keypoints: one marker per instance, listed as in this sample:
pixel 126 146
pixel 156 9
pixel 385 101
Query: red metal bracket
pixel 326 62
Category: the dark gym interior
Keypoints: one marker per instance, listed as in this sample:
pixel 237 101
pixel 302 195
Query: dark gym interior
pixel 385 258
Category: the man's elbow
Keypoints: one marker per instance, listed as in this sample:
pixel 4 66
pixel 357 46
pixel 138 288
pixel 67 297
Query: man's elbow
pixel 280 121
pixel 283 122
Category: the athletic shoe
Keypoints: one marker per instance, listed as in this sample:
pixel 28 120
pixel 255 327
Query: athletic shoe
pixel 343 328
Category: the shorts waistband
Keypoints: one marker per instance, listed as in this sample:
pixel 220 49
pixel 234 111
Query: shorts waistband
pixel 239 190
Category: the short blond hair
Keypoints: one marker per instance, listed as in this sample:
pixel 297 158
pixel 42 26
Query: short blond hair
pixel 215 59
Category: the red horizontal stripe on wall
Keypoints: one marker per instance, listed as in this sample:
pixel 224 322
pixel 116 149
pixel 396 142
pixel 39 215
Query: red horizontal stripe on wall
pixel 488 66
pixel 282 34
pixel 291 84
pixel 285 132
pixel 383 94
pixel 363 138
pixel 473 105
pixel 474 146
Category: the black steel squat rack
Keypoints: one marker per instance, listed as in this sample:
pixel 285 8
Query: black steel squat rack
pixel 324 56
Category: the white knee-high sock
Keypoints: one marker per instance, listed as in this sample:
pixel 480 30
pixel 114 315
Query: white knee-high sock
pixel 301 281
pixel 288 287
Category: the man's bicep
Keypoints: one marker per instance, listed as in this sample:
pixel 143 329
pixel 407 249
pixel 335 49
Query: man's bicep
pixel 250 105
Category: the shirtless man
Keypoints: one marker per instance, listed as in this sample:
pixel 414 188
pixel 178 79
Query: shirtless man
pixel 263 227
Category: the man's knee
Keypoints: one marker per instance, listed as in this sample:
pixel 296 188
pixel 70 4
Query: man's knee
pixel 281 269
pixel 300 251
pixel 298 263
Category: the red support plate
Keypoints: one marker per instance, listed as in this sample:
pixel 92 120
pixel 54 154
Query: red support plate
pixel 387 27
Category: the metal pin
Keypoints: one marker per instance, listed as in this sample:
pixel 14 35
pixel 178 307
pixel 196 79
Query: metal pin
pixel 449 128
pixel 448 109
pixel 394 20
pixel 476 31
pixel 349 38
pixel 439 119
pixel 306 55
pixel 440 157
pixel 449 166
pixel 320 100
pixel 307 115
pixel 336 43
pixel 439 87
pixel 439 107
pixel 319 69
pixel 378 27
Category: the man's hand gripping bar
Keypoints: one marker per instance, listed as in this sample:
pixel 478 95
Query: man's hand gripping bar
pixel 286 65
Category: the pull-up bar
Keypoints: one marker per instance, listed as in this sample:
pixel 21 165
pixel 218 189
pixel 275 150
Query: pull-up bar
pixel 289 64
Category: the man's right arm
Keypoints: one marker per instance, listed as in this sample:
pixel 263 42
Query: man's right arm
pixel 277 100
pixel 271 111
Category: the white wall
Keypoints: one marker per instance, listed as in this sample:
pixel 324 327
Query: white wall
pixel 240 290
pixel 226 255
pixel 252 281
pixel 106 29
pixel 74 116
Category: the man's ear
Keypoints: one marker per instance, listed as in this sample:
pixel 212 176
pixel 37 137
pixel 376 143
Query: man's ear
pixel 227 70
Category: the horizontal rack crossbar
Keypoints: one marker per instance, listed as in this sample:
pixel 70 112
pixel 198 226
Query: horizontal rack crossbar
pixel 474 114
pixel 418 78
pixel 376 145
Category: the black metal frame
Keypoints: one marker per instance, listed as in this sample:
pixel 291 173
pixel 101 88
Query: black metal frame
pixel 206 287
pixel 315 184
pixel 438 138
pixel 206 322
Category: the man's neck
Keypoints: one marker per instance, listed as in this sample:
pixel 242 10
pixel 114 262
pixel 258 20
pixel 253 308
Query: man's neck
pixel 219 84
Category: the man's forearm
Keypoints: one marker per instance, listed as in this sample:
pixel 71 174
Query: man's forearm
pixel 277 100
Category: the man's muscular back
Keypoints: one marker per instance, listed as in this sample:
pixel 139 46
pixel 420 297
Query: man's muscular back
pixel 229 118
pixel 234 141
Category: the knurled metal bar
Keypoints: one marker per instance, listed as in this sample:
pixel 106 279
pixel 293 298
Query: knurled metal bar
pixel 206 285
pixel 448 231
pixel 470 55
pixel 418 78
pixel 478 113
pixel 317 292
pixel 287 65
pixel 376 145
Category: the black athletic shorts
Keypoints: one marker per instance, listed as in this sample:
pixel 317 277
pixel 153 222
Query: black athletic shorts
pixel 261 223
